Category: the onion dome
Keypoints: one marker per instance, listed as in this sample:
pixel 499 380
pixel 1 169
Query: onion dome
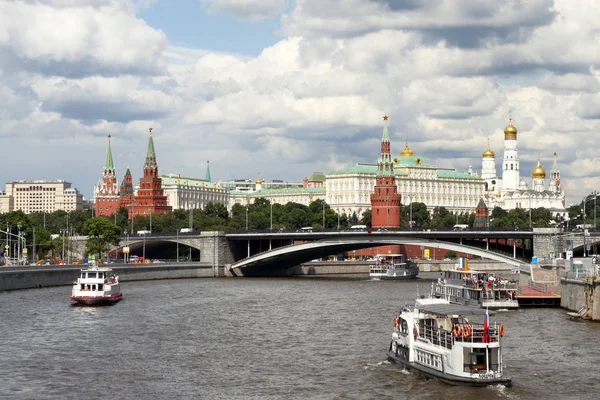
pixel 488 153
pixel 510 132
pixel 538 171
pixel 406 151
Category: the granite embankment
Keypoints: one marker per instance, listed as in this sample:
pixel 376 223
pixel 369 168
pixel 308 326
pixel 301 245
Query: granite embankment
pixel 28 277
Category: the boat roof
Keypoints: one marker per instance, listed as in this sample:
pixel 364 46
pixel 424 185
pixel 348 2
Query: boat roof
pixel 452 309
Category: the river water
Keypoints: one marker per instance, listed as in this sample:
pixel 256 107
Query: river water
pixel 297 338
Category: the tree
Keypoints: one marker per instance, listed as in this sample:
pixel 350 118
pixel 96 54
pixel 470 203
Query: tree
pixel 101 232
pixel 450 254
pixel 366 218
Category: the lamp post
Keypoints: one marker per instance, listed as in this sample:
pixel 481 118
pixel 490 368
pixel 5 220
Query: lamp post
pixel 144 247
pixel 323 215
pixel 271 215
pixel 246 216
pixel 19 244
pixel 132 216
pixel 177 256
pixel 150 221
pixel 63 249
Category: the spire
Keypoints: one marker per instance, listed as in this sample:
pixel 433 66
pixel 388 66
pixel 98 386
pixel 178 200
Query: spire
pixel 555 165
pixel 109 165
pixel 150 155
pixel 385 167
pixel 207 178
pixel 385 137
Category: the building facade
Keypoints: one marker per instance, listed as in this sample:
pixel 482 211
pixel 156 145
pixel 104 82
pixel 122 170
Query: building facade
pixel 189 193
pixel 106 192
pixel 349 189
pixel 41 196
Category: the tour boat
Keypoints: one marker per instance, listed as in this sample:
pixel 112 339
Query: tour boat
pixel 442 340
pixel 477 288
pixel 96 285
pixel 392 266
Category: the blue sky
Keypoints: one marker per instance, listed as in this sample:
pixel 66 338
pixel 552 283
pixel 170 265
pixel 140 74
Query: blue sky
pixel 188 23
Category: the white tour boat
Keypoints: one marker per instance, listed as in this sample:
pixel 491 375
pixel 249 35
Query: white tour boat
pixel 96 285
pixel 442 340
pixel 477 288
pixel 393 266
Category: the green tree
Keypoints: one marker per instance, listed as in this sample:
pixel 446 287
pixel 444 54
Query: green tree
pixel 450 254
pixel 101 232
pixel 366 218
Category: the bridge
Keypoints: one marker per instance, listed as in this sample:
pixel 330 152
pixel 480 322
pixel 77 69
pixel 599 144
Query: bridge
pixel 273 252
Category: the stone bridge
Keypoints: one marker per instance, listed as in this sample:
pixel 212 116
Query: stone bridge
pixel 224 249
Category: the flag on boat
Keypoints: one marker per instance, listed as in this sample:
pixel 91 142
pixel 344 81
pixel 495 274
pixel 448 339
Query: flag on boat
pixel 486 328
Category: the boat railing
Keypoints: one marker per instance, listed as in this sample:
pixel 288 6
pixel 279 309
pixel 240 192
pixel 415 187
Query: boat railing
pixel 447 339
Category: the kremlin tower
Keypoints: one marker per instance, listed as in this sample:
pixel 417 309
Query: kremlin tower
pixel 385 200
pixel 126 192
pixel 106 193
pixel 150 197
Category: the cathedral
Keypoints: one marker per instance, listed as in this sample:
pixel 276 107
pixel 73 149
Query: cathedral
pixel 511 191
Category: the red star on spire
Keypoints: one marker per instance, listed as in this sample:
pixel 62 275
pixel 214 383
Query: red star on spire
pixel 385 117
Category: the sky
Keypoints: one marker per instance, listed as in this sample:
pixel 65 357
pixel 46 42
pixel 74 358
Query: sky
pixel 289 87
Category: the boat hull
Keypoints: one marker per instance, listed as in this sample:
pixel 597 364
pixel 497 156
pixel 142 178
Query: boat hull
pixel 393 277
pixel 96 300
pixel 449 379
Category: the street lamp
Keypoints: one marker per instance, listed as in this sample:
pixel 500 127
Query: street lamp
pixel 323 215
pixel 144 247
pixel 177 256
pixel 271 215
pixel 19 244
pixel 246 216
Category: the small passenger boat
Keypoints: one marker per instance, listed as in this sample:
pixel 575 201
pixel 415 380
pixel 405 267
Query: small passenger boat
pixel 477 288
pixel 393 266
pixel 95 286
pixel 443 341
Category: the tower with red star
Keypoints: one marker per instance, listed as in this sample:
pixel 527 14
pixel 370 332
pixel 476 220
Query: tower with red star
pixel 385 199
pixel 106 192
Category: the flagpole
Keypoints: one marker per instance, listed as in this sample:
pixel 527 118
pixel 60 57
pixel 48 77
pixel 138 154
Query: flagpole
pixel 487 346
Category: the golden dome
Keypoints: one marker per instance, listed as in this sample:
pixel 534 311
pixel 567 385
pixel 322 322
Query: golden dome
pixel 488 153
pixel 258 181
pixel 510 132
pixel 538 171
pixel 406 151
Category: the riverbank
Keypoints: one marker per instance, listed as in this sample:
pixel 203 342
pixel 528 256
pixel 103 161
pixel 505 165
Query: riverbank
pixel 29 277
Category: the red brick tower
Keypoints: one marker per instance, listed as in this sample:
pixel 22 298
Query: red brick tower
pixel 150 197
pixel 481 215
pixel 106 193
pixel 385 200
pixel 126 191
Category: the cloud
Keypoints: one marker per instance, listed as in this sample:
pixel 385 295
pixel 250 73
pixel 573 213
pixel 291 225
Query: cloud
pixel 446 75
pixel 73 39
pixel 247 9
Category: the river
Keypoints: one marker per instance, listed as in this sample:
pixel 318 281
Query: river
pixel 241 338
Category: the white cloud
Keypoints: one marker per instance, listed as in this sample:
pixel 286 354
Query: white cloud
pixel 247 9
pixel 312 101
pixel 78 39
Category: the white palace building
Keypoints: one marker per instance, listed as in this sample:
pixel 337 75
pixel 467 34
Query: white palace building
pixel 348 190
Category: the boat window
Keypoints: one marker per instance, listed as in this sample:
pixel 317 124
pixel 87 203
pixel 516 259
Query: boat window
pixel 91 274
pixel 100 286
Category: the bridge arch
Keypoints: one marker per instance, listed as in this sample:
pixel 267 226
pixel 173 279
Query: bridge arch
pixel 277 261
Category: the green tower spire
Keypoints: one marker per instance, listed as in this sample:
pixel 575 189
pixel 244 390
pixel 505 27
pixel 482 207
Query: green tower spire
pixel 109 165
pixel 207 178
pixel 150 154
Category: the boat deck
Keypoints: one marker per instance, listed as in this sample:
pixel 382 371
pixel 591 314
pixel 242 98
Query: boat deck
pixel 542 296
